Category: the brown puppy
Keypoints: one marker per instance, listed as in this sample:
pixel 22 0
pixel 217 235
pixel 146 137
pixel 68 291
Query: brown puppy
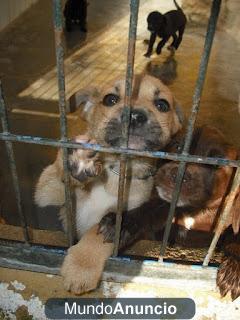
pixel 203 186
pixel 95 177
pixel 199 202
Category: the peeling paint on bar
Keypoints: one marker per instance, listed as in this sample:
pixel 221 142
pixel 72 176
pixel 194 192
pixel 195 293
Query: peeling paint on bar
pixel 58 30
pixel 156 154
pixel 134 6
pixel 223 217
pixel 193 116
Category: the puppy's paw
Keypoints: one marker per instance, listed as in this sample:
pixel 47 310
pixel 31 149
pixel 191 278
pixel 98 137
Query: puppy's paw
pixel 147 55
pixel 172 49
pixel 146 41
pixel 83 266
pixel 228 276
pixel 78 276
pixel 107 227
pixel 84 164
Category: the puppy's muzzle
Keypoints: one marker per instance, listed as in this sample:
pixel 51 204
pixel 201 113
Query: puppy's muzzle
pixel 144 131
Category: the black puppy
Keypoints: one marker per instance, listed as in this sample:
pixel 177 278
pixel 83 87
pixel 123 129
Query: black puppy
pixel 165 26
pixel 75 12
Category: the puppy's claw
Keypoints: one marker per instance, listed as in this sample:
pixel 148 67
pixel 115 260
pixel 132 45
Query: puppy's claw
pixel 107 227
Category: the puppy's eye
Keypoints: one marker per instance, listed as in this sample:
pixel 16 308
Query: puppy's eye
pixel 110 100
pixel 162 105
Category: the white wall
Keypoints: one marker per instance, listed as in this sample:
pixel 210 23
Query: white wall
pixel 11 9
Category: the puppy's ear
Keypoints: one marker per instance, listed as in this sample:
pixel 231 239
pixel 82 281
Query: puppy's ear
pixel 84 100
pixel 178 117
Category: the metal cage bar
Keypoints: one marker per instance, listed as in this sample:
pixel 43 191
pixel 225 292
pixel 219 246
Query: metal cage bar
pixel 223 217
pixel 13 168
pixel 192 120
pixel 134 6
pixel 124 152
pixel 58 30
pixel 151 154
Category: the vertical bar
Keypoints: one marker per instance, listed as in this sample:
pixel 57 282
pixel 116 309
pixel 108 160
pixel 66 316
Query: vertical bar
pixel 134 7
pixel 195 108
pixel 58 30
pixel 13 168
pixel 223 217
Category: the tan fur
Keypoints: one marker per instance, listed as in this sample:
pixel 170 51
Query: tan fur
pixel 82 269
pixel 97 194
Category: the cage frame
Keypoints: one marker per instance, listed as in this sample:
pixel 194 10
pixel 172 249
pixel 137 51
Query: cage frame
pixel 38 258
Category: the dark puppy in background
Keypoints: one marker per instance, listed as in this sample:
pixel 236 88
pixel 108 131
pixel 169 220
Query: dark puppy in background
pixel 166 26
pixel 75 12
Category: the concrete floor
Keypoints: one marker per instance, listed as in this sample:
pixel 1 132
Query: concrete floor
pixel 27 69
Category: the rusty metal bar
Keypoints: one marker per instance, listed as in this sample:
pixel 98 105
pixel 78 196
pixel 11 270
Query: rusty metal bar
pixel 58 31
pixel 192 120
pixel 224 216
pixel 128 152
pixel 12 162
pixel 134 7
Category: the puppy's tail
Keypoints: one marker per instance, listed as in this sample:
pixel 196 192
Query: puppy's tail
pixel 177 5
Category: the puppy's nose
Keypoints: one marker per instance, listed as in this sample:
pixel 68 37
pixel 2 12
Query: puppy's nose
pixel 138 118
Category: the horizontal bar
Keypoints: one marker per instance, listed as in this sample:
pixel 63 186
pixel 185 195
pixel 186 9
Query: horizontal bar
pixel 224 215
pixel 129 152
pixel 31 258
pixel 47 260
pixel 193 116
pixel 59 50
pixel 134 6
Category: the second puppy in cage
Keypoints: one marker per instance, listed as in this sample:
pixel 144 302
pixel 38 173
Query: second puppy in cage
pixel 202 193
pixel 94 177
pixel 166 26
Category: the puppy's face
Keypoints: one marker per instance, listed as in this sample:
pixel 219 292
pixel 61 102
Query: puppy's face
pixel 153 119
pixel 155 21
pixel 196 187
pixel 202 185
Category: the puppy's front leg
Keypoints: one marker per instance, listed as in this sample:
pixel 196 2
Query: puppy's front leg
pixel 83 266
pixel 150 45
pixel 161 45
pixel 172 46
